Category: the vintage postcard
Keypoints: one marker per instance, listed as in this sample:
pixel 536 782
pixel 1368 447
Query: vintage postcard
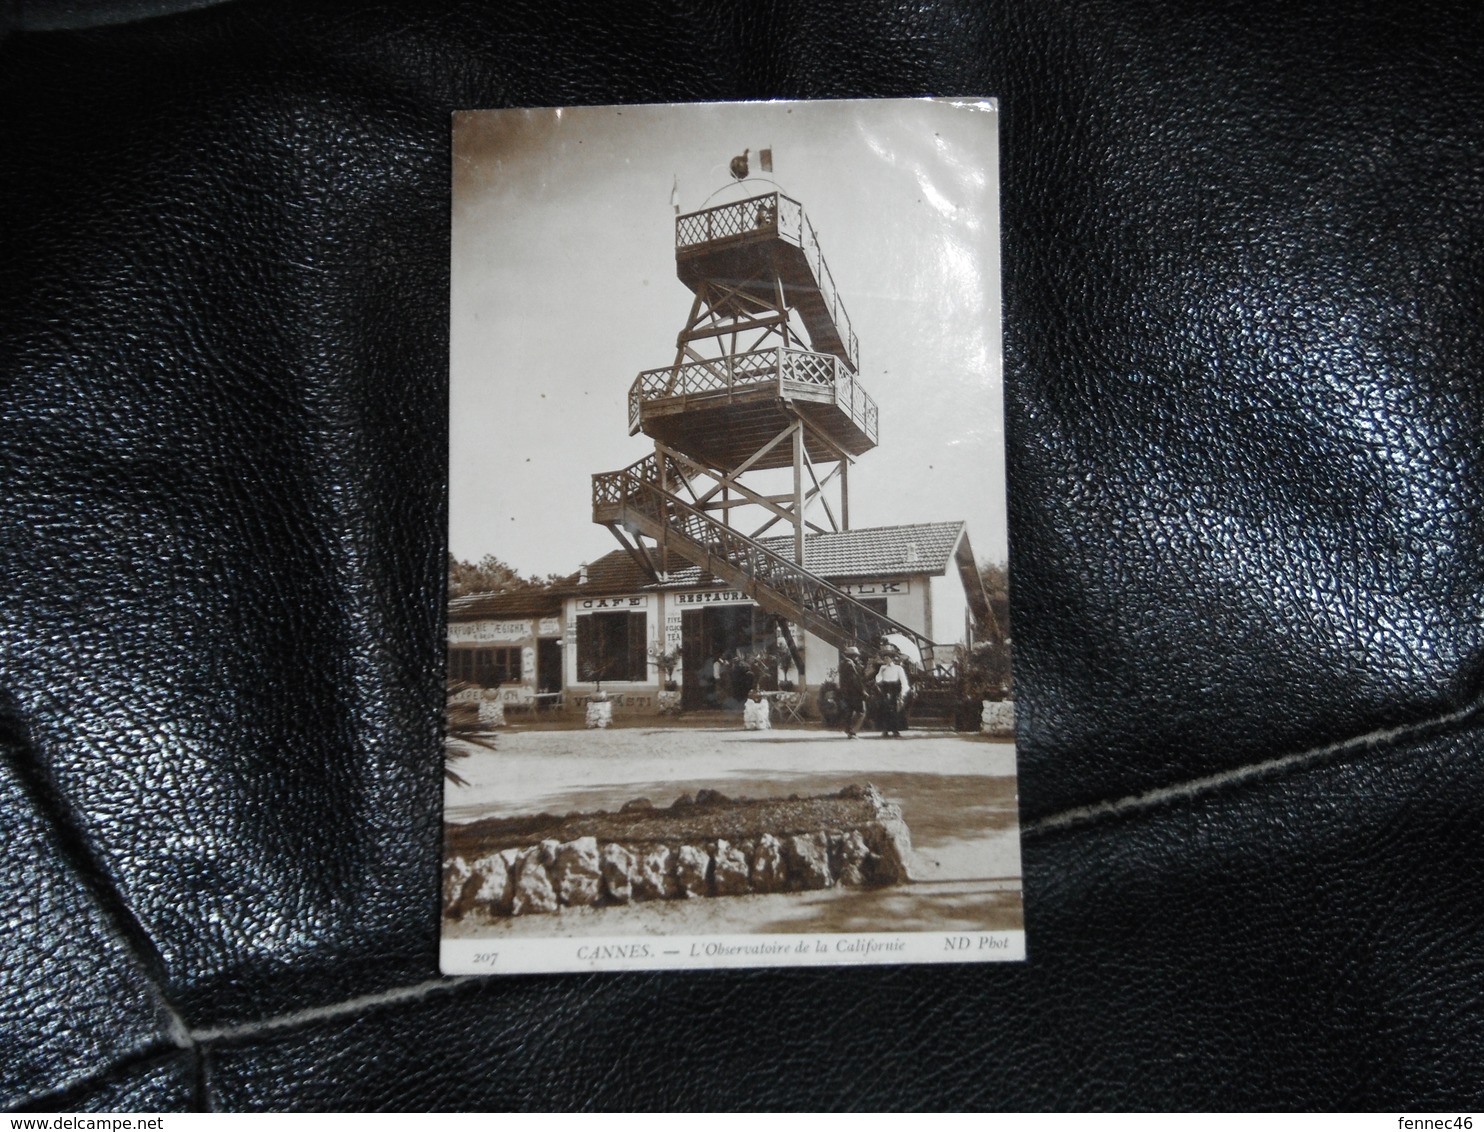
pixel 729 676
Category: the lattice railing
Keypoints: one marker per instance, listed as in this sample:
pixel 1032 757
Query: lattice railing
pixel 856 402
pixel 608 488
pixel 617 487
pixel 771 214
pixel 776 366
pixel 776 580
pixel 756 215
pixel 809 368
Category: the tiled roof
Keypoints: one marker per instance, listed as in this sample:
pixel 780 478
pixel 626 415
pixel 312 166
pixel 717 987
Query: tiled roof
pixel 870 552
pixel 521 603
pixel 616 571
pixel 913 548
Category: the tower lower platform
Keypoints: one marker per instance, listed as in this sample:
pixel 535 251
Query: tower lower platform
pixel 724 411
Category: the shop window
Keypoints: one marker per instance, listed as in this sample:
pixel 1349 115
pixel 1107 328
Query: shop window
pixel 488 668
pixel 612 646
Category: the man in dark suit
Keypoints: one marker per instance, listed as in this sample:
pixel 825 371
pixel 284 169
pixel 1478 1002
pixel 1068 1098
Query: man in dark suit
pixel 852 681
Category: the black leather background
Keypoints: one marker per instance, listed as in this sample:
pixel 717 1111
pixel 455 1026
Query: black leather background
pixel 1244 267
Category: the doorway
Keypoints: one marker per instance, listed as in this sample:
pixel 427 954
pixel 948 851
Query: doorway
pixel 731 634
pixel 549 665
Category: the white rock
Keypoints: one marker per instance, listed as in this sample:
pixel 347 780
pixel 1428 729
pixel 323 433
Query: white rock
pixel 692 865
pixel 456 874
pixel 618 867
pixel 495 887
pixel 532 889
pixel 731 869
pixel 890 843
pixel 808 861
pixel 769 871
pixel 655 877
pixel 577 873
pixel 854 856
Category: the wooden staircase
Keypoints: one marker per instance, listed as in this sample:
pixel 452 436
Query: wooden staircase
pixel 631 501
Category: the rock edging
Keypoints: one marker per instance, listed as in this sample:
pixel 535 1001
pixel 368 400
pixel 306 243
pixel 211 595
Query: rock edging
pixel 586 872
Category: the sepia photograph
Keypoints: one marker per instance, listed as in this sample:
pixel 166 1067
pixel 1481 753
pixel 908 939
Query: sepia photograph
pixel 729 661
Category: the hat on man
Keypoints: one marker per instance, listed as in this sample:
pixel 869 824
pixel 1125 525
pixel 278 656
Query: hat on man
pixel 852 651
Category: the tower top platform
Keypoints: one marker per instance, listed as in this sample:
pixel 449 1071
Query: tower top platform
pixel 752 246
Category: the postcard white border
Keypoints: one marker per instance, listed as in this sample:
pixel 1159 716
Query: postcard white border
pixel 493 956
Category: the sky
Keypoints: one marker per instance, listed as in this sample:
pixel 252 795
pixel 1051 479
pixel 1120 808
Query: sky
pixel 564 289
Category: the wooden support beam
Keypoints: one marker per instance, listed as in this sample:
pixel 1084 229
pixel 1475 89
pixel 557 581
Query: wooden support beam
pixel 824 439
pixel 748 496
pixel 818 492
pixel 844 460
pixel 782 306
pixel 680 471
pixel 720 303
pixel 636 550
pixel 763 337
pixel 793 649
pixel 844 495
pixel 824 499
pixel 830 476
pixel 714 506
pixel 683 462
pixel 680 343
pixel 726 483
pixel 737 326
pixel 799 458
pixel 656 568
pixel 726 478
pixel 723 294
pixel 773 522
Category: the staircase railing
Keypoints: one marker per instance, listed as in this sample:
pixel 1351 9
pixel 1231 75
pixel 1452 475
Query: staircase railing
pixel 770 578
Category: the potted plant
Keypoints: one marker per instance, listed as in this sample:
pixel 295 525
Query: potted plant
pixel 667 661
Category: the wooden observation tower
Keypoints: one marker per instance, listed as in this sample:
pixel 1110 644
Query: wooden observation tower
pixel 755 423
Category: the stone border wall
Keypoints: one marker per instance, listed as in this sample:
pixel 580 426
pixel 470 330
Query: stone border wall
pixel 583 873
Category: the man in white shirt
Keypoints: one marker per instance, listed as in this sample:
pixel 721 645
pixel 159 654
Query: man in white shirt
pixel 891 684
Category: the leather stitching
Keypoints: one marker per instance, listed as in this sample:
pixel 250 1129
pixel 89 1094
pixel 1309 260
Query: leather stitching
pixel 1099 812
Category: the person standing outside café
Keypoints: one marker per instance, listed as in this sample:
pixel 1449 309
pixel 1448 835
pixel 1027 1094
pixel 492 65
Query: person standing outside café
pixel 891 683
pixel 852 680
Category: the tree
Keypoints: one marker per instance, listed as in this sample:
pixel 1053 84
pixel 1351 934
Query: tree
pixel 988 666
pixel 492 576
pixel 996 579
